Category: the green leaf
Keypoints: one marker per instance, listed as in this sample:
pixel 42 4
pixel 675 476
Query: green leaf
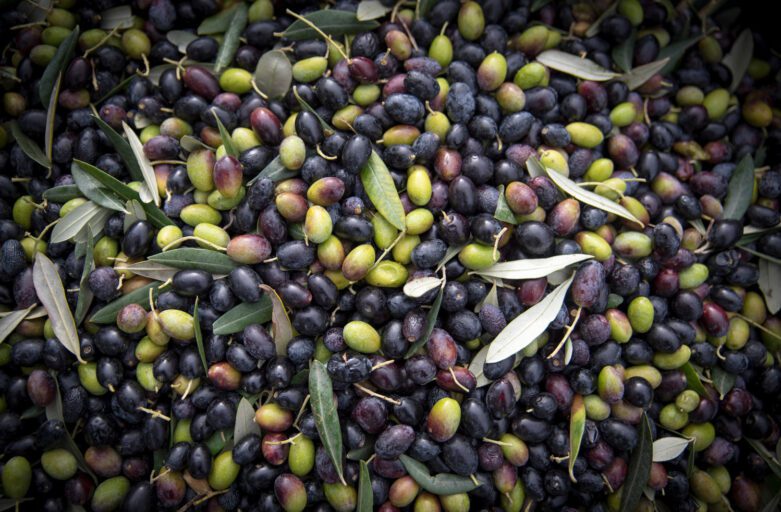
pixel 740 190
pixel 93 190
pixel 532 268
pixel 218 23
pixel 538 4
pixel 54 412
pixel 48 142
pixel 668 448
pixel 593 29
pixel 766 455
pixel 770 284
pixel 48 287
pixel 150 269
pixel 739 57
pixel 12 320
pixel 417 288
pixel 364 452
pixel 274 171
pixel 199 337
pixel 155 214
pixel 306 106
pixel 441 484
pixel 274 74
pixel 108 313
pixel 321 396
pixel 85 294
pixel 180 39
pixel 503 211
pixel 123 149
pixel 476 366
pixel 114 90
pixel 774 504
pixel 77 220
pixel 147 171
pixel 590 198
pixel 379 187
pixel 28 146
pixel 693 380
pixel 674 51
pixel 623 53
pixel 431 321
pixel 365 493
pixel 331 21
pixel 186 258
pixel 576 66
pixel 57 65
pixel 241 316
pixel 525 328
pixel 636 77
pixel 230 42
pixel 639 467
pixel 577 426
pixel 371 10
pixel 723 381
pixel 225 135
pixel 116 17
pixel 62 193
pixel 422 7
pixel 281 328
pixel 245 421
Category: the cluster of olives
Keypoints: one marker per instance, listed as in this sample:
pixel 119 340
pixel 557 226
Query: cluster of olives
pixel 275 220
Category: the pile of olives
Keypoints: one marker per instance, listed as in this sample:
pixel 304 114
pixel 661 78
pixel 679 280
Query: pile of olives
pixel 260 256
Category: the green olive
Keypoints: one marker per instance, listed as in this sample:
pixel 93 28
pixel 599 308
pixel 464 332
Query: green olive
pixel 361 337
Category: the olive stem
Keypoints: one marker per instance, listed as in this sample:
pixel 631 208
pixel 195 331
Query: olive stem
pixel 322 34
pixel 757 325
pixel 152 304
pixel 100 43
pixel 257 89
pixel 388 249
pixel 494 441
pixel 607 482
pixel 497 239
pixel 46 229
pixel 377 395
pixel 455 379
pixel 145 72
pixel 169 162
pixel 121 280
pixel 759 254
pixel 474 479
pixel 564 338
pixel 178 242
pixel 323 155
pixel 301 411
pixel 382 364
pixel 155 413
pixel 289 440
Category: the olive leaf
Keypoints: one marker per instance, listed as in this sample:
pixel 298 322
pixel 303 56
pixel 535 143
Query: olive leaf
pixel 274 171
pixel 239 317
pixel 419 287
pixel 636 77
pixel 245 421
pixel 503 211
pixel 114 90
pixel 371 10
pixel 674 51
pixel 108 313
pixel 134 212
pixel 116 17
pixel 281 327
pixel 54 412
pixel 766 455
pixel 379 187
pixel 639 467
pixel 199 336
pixel 538 4
pixel 62 193
pixel 365 493
pixel 77 220
pixel 668 448
pixel 739 57
pixel 155 214
pixel 123 149
pixel 227 141
pixel 590 198
pixel 12 320
pixel 441 484
pixel 770 284
pixel 180 39
pixel 774 504
pixel 593 29
pixel 186 258
pixel 85 293
pixel 190 144
pixel 93 190
pixel 151 270
pixel 623 53
pixel 476 367
pixel 535 167
pixel 48 287
pixel 274 74
pixel 230 42
pixel 57 65
pixel 740 190
pixel 364 452
pixel 525 328
pixel 218 23
pixel 323 403
pixel 722 380
pixel 577 426
pixel 28 146
pixel 147 171
pixel 330 21
pixel 576 66
pixel 431 321
pixel 48 142
pixel 693 380
pixel 306 106
pixel 532 268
